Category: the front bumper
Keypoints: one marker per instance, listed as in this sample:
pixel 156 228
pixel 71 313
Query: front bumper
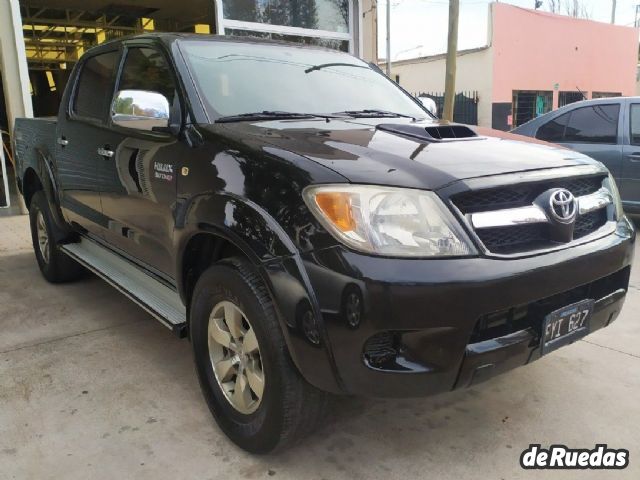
pixel 485 359
pixel 426 320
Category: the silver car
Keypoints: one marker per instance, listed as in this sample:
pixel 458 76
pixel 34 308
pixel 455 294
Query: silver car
pixel 607 129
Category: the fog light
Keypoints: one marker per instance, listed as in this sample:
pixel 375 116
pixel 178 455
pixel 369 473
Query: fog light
pixel 380 349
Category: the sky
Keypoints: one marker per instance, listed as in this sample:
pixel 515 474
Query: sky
pixel 419 27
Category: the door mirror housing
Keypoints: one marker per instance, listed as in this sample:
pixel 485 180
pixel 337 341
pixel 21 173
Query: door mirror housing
pixel 430 105
pixel 141 110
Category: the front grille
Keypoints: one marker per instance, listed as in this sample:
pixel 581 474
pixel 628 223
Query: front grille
pixel 590 222
pixel 511 240
pixel 521 195
pixel 507 240
pixel 521 317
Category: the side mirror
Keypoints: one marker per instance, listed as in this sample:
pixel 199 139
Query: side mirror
pixel 140 110
pixel 430 105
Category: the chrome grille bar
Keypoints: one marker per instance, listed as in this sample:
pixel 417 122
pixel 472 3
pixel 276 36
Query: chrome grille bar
pixel 530 214
pixel 595 201
pixel 509 217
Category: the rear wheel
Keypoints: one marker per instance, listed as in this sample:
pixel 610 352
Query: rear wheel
pixel 248 379
pixel 55 266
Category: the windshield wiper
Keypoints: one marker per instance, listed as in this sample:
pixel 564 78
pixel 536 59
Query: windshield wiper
pixel 271 114
pixel 372 113
pixel 335 64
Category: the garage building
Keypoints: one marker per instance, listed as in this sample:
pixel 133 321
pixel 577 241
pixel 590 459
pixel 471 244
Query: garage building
pixel 40 41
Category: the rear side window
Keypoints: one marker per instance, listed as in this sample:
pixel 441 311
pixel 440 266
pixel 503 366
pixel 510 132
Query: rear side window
pixel 95 86
pixel 147 69
pixel 553 131
pixel 596 124
pixel 635 124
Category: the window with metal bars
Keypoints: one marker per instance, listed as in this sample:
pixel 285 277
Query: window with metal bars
pixel 566 98
pixel 527 105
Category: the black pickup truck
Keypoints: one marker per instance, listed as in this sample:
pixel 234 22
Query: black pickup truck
pixel 312 228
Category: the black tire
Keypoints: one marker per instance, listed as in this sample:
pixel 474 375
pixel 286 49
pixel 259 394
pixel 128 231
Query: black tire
pixel 290 407
pixel 57 267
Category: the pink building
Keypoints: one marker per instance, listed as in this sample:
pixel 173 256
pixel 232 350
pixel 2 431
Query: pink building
pixel 533 62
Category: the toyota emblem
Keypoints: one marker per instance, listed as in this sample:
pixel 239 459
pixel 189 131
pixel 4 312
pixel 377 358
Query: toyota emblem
pixel 563 206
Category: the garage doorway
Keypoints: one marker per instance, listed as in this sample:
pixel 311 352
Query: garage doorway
pixel 58 32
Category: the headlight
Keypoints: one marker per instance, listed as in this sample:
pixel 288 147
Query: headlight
pixel 388 221
pixel 610 184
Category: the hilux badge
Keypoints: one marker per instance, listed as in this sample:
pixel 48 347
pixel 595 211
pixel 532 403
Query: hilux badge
pixel 563 206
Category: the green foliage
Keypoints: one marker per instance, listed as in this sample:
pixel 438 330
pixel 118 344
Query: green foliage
pixel 123 105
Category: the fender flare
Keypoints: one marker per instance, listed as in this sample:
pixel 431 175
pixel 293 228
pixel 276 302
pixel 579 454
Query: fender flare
pixel 45 173
pixel 262 239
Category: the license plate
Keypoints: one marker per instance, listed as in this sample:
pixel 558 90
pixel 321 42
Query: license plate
pixel 566 325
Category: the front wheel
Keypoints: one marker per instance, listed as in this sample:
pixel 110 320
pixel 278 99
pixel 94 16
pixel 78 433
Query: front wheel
pixel 248 379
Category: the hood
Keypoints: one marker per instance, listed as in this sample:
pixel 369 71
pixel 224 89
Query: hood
pixel 365 151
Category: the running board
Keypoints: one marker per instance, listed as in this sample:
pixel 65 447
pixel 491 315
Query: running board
pixel 156 298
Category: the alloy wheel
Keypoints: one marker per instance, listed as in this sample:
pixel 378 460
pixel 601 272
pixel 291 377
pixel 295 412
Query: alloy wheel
pixel 43 237
pixel 235 357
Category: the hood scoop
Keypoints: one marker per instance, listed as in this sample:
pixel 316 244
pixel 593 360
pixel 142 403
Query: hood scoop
pixel 435 133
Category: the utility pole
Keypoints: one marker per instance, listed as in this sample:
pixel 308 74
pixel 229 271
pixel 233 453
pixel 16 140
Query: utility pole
pixel 613 12
pixel 389 38
pixel 452 51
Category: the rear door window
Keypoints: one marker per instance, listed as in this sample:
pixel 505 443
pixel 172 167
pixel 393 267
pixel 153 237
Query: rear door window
pixel 553 131
pixel 594 124
pixel 635 124
pixel 95 86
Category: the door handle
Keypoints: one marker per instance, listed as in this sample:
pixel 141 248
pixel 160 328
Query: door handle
pixel 105 152
pixel 634 157
pixel 62 141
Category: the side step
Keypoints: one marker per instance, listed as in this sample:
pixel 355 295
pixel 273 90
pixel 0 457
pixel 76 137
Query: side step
pixel 156 298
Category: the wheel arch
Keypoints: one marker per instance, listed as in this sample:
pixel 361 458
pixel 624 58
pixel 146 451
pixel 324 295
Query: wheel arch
pixel 30 185
pixel 41 177
pixel 203 248
pixel 218 226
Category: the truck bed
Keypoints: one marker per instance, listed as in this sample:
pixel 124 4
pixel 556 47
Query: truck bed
pixel 33 137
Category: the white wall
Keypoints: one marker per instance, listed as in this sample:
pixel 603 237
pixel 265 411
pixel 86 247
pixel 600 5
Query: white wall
pixel 15 74
pixel 369 30
pixel 13 63
pixel 474 72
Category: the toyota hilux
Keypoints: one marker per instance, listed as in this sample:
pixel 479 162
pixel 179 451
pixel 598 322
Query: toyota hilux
pixel 312 228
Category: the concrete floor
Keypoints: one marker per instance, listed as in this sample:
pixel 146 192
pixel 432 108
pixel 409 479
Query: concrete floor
pixel 93 387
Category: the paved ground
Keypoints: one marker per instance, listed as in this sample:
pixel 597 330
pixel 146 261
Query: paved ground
pixel 92 387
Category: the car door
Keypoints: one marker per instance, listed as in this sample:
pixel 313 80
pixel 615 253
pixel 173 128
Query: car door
pixel 596 131
pixel 629 182
pixel 80 124
pixel 141 167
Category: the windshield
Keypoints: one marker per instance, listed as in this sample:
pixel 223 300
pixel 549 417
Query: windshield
pixel 240 78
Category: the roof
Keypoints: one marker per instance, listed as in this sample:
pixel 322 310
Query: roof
pixel 169 37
